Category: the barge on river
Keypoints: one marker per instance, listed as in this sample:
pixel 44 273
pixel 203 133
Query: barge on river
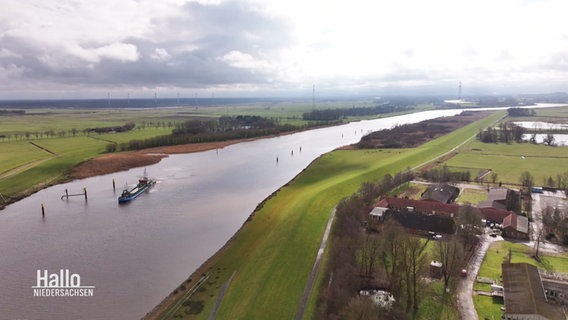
pixel 144 183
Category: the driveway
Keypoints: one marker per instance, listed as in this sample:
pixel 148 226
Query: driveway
pixel 465 286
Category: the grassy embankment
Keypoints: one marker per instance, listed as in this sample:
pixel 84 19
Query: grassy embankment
pixel 490 308
pixel 274 253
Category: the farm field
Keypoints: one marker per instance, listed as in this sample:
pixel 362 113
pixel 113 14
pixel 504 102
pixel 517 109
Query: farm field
pixel 510 160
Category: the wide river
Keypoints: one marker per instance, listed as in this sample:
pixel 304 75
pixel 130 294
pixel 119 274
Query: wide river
pixel 136 254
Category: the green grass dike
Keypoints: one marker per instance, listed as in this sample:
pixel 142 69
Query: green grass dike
pixel 272 255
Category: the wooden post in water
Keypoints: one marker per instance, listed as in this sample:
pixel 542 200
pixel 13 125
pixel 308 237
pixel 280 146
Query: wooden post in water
pixel 85 191
pixel 67 194
pixel 113 185
pixel 42 210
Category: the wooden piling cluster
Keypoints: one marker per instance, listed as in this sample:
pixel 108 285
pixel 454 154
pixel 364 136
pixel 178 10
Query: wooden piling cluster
pixel 67 195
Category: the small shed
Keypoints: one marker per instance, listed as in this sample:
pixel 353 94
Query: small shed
pixel 436 269
pixel 378 213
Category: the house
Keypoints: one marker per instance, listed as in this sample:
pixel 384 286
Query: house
pixel 443 193
pixel 502 199
pixel 524 295
pixel 516 226
pixel 420 206
pixel 494 215
pixel 430 215
pixel 497 199
pixel 421 215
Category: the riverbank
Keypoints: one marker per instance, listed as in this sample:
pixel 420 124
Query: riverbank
pixel 116 162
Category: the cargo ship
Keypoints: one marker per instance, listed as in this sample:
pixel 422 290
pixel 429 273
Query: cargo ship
pixel 130 194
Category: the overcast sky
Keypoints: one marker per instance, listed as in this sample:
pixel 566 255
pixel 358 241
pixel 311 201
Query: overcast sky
pixel 85 48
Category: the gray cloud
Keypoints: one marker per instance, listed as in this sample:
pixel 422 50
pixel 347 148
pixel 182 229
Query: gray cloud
pixel 181 51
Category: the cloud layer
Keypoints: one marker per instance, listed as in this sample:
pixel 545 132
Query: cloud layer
pixel 84 48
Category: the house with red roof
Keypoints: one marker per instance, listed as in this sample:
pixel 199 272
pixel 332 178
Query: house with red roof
pixel 516 226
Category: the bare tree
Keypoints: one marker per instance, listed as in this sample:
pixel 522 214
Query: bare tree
pixel 494 177
pixel 450 254
pixel 362 308
pixel 527 180
pixel 469 225
pixel 549 139
pixel 391 255
pixel 369 254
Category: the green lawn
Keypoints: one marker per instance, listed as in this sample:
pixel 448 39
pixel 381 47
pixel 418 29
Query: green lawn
pixel 491 268
pixel 488 307
pixel 472 196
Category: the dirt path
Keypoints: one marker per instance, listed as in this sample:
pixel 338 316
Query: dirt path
pixel 22 168
pixel 312 278
pixel 220 296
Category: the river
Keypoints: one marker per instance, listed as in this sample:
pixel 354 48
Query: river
pixel 136 254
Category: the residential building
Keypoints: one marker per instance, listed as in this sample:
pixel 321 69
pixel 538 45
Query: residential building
pixel 516 226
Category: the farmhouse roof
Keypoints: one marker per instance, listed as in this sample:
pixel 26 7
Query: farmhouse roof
pixel 491 214
pixel 421 205
pixel 495 215
pixel 444 193
pixel 519 223
pixel 524 293
pixel 497 198
pixel 378 211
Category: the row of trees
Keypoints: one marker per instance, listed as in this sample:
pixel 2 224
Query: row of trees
pixel 518 112
pixel 506 132
pixel 555 221
pixel 27 135
pixel 195 131
pixel 336 114
pixel 6 112
pixel 444 174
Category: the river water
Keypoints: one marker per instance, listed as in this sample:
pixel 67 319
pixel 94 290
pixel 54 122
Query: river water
pixel 136 254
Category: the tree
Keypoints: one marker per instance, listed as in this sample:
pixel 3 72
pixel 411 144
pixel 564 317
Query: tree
pixel 527 180
pixel 450 254
pixel 494 177
pixel 391 255
pixel 368 191
pixel 415 263
pixel 549 139
pixel 369 254
pixel 361 308
pixel 111 147
pixel 469 225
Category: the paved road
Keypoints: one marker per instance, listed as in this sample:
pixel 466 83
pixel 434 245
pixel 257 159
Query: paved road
pixel 464 289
